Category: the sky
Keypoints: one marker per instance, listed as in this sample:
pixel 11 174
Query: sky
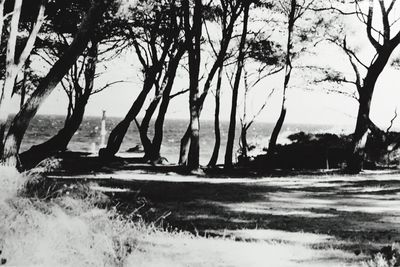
pixel 306 104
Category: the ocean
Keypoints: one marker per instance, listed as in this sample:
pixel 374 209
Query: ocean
pixel 87 138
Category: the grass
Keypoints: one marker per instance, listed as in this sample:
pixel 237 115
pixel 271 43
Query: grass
pixel 71 225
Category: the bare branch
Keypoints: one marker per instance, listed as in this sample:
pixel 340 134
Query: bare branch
pixel 392 120
pixel 260 109
pixel 390 6
pixel 353 64
pixel 179 93
pixel 32 37
pixel 12 38
pixel 106 86
pixel 372 40
pixel 385 21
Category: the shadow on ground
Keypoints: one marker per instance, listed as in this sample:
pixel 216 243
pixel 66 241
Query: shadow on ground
pixel 359 214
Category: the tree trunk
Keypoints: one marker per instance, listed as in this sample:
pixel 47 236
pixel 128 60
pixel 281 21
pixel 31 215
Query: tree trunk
pixel 60 68
pixel 217 131
pixel 57 143
pixel 277 129
pixel 159 124
pixel 356 157
pixel 14 64
pixel 193 161
pixel 232 124
pixel 243 140
pixel 144 127
pixel 288 72
pixel 11 70
pixel 184 147
pixel 193 41
pixel 23 85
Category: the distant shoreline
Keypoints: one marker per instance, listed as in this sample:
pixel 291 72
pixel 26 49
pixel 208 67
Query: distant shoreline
pixel 223 121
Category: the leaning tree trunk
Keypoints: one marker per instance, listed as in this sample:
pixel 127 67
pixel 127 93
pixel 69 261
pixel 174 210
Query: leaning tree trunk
pixel 184 147
pixel 57 143
pixel 14 64
pixel 144 127
pixel 21 121
pixel 288 71
pixel 243 141
pixel 217 131
pixel 118 133
pixel 152 149
pixel 356 158
pixel 159 124
pixel 232 123
pixel 60 141
pixel 357 148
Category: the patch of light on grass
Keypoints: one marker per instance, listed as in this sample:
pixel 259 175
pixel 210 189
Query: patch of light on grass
pixel 189 251
pixel 277 209
pixel 109 189
pixel 284 236
pixel 10 182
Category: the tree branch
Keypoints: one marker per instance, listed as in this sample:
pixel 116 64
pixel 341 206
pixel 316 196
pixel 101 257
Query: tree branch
pixel 391 121
pixel 372 40
pixel 179 93
pixel 106 86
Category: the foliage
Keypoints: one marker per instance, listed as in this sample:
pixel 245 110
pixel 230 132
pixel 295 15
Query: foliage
pixel 266 51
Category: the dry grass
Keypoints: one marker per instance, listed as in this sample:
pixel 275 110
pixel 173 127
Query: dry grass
pixel 71 230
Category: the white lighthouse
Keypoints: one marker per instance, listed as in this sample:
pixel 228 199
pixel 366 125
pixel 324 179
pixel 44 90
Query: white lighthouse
pixel 103 130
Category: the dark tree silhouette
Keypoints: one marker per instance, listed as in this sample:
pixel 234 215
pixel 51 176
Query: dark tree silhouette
pixel 227 12
pixel 14 63
pixel 78 97
pixel 384 41
pixel 384 47
pixel 21 121
pixel 217 131
pixel 156 40
pixel 235 89
pixel 193 32
pixel 293 11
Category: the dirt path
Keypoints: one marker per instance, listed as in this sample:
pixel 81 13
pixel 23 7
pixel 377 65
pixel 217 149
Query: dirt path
pixel 358 214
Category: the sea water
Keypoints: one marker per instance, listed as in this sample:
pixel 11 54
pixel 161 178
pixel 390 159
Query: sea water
pixel 87 138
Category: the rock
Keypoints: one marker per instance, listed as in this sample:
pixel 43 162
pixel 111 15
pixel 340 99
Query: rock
pixel 135 149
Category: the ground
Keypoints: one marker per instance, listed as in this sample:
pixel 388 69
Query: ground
pixel 310 220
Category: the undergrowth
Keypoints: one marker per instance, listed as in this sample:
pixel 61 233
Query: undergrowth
pixel 43 225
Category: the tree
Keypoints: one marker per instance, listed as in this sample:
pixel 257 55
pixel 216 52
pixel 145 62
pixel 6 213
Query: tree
pixel 164 85
pixel 14 63
pixel 226 13
pixel 78 83
pixel 163 94
pixel 235 89
pixel 217 131
pixel 383 41
pixel 193 30
pixel 78 97
pixel 21 121
pixel 245 122
pixel 293 12
pixel 384 46
pixel 154 35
